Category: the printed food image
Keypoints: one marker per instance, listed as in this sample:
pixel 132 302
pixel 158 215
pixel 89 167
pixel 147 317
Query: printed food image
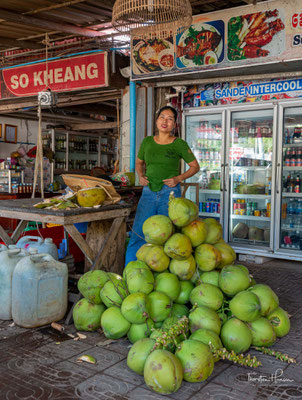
pixel 201 44
pixel 251 35
pixel 153 55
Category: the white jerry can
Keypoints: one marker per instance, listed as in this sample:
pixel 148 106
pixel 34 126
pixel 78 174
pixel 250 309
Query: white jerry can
pixel 8 261
pixel 43 245
pixel 39 291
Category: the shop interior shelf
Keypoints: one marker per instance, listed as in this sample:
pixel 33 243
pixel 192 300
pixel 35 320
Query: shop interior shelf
pixel 285 194
pixel 60 150
pixel 293 145
pixel 294 229
pixel 249 168
pixel 250 217
pixel 210 215
pixel 292 168
pixel 250 196
pixel 72 171
pixel 255 242
pixel 107 152
pixel 209 191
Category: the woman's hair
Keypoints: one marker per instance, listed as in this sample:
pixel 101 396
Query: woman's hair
pixel 167 108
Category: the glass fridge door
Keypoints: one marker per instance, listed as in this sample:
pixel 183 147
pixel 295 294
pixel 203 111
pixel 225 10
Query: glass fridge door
pixel 251 177
pixel 204 134
pixel 290 217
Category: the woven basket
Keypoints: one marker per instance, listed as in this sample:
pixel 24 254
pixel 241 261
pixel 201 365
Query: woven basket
pixel 77 182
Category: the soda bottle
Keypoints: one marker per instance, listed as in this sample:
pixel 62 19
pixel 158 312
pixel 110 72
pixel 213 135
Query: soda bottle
pixel 297 185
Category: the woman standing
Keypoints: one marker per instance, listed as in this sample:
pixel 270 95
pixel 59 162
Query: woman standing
pixel 157 166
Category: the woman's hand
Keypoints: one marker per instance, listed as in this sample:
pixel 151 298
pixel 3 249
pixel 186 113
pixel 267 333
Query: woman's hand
pixel 172 182
pixel 143 180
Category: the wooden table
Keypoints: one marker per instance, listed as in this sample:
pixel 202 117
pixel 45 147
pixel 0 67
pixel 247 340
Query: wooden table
pixel 106 234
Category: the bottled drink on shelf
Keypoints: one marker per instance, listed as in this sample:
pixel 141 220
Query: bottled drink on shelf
pixel 299 157
pixel 287 158
pixel 293 158
pixel 287 137
pixel 297 184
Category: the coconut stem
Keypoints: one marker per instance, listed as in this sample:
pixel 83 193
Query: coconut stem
pixel 170 336
pixel 277 354
pixel 224 354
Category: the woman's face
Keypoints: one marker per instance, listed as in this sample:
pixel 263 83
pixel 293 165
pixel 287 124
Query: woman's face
pixel 165 122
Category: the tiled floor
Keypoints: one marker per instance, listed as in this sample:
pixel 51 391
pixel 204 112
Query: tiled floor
pixel 36 364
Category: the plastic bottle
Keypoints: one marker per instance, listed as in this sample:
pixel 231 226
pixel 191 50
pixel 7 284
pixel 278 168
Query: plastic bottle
pixel 39 291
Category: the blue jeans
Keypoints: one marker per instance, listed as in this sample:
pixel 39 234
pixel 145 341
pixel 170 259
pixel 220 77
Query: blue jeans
pixel 150 203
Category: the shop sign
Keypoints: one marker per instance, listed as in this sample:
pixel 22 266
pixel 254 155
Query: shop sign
pixel 76 73
pixel 268 32
pixel 242 92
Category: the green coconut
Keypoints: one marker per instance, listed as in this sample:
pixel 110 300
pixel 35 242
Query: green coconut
pixel 140 280
pixel 245 306
pixel 280 321
pixel 163 372
pixel 135 308
pixel 184 269
pixel 204 318
pixel 268 299
pixel 87 316
pixel 139 353
pixel 140 331
pixel 157 229
pixel 243 267
pixel 209 338
pixel 137 264
pixel 263 333
pixel 236 335
pixel 211 277
pixel 186 288
pixel 159 306
pixel 207 257
pixel 214 230
pixel 207 295
pixel 178 246
pixel 196 359
pixel 114 291
pixel 90 285
pixel 179 310
pixel 196 231
pixel 182 211
pixel 142 251
pixel 233 280
pixel 114 324
pixel 90 197
pixel 167 283
pixel 228 255
pixel 156 259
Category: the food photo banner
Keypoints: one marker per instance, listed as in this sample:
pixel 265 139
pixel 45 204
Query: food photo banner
pixel 268 32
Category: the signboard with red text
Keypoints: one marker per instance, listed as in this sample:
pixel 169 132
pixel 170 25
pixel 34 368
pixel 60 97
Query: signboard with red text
pixel 82 72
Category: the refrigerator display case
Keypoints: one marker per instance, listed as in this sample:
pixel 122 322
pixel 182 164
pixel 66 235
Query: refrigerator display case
pixel 250 173
pixel 289 185
pixel 205 136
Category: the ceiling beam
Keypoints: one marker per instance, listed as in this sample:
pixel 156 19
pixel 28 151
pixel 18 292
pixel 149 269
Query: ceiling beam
pixel 24 44
pixel 54 6
pixel 46 24
pixel 93 126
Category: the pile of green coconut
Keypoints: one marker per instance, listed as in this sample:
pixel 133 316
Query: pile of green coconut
pixel 183 304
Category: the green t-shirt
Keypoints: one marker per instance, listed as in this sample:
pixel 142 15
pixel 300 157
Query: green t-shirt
pixel 162 160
